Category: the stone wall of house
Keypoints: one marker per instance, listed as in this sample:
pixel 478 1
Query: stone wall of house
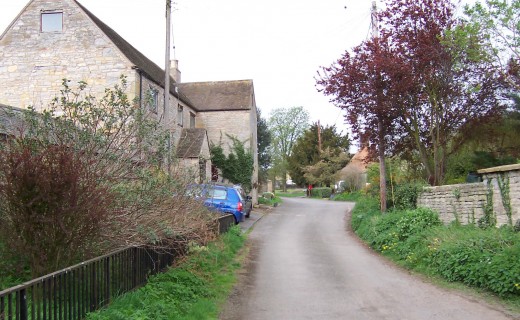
pixel 146 86
pixel 33 63
pixel 220 124
pixel 500 190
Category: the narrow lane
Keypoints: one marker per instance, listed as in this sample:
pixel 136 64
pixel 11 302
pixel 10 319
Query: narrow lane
pixel 304 264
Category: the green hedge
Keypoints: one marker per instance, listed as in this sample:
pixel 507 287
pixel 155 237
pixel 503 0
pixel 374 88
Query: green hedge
pixel 321 192
pixel 487 259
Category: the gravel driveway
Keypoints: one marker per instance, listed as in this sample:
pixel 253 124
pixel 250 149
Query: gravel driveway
pixel 305 264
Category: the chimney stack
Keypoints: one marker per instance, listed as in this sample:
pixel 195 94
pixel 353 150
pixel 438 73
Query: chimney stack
pixel 174 70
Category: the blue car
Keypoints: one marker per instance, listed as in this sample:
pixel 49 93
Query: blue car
pixel 224 199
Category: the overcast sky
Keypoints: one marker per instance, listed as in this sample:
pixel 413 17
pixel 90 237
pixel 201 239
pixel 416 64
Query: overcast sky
pixel 279 44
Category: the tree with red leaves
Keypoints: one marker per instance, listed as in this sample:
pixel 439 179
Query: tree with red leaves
pixel 427 90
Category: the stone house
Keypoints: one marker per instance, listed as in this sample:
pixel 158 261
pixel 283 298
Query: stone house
pixel 55 39
pixel 227 110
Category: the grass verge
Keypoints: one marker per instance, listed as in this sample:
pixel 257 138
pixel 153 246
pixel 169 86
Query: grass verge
pixel 291 193
pixel 485 259
pixel 274 201
pixel 346 196
pixel 196 288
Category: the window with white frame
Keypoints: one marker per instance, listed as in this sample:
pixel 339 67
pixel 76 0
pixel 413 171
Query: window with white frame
pixel 51 21
pixel 180 117
pixel 153 99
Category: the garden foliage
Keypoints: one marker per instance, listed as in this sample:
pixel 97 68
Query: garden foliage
pixel 88 175
pixel 488 259
pixel 237 166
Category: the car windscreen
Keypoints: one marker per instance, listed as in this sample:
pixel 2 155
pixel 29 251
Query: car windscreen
pixel 217 194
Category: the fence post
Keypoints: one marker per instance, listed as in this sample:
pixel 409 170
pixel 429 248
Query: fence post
pixel 134 267
pixel 107 280
pixel 23 304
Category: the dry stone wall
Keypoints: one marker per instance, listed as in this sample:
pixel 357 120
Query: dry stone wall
pixel 462 202
pixel 497 196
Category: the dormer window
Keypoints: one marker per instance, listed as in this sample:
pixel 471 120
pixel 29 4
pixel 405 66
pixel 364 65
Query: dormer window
pixel 52 21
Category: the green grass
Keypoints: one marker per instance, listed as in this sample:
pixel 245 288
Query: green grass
pixel 487 260
pixel 270 202
pixel 291 193
pixel 352 196
pixel 195 289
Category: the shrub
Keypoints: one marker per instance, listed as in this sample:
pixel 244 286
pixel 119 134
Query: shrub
pixel 405 195
pixel 53 206
pixel 88 175
pixel 321 192
pixel 488 259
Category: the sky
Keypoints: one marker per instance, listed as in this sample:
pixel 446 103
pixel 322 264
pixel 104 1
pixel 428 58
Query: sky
pixel 279 44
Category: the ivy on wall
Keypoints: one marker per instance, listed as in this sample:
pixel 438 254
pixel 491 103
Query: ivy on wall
pixel 237 166
pixel 503 186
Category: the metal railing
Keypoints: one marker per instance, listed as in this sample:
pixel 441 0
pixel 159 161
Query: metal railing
pixel 73 292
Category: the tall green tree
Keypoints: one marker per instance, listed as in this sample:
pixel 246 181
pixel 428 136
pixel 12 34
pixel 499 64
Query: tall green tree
pixel 325 171
pixel 306 149
pixel 286 126
pixel 263 146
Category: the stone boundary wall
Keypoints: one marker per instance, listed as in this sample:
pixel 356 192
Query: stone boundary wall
pixel 500 190
pixel 464 202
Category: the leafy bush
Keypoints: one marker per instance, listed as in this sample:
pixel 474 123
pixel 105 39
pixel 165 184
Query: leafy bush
pixel 88 175
pixel 404 196
pixel 321 192
pixel 488 259
pixel 54 203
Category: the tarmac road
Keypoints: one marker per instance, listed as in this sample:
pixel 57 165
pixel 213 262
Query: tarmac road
pixel 305 264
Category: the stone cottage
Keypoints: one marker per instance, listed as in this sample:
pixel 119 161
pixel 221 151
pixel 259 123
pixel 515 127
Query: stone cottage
pixel 227 110
pixel 55 39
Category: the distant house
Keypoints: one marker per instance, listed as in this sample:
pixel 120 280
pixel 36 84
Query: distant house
pixel 52 40
pixel 354 174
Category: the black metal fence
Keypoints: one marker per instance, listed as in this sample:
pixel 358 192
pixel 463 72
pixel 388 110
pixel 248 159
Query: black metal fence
pixel 73 292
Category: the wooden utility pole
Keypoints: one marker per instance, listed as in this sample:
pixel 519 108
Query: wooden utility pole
pixel 380 128
pixel 319 137
pixel 166 109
